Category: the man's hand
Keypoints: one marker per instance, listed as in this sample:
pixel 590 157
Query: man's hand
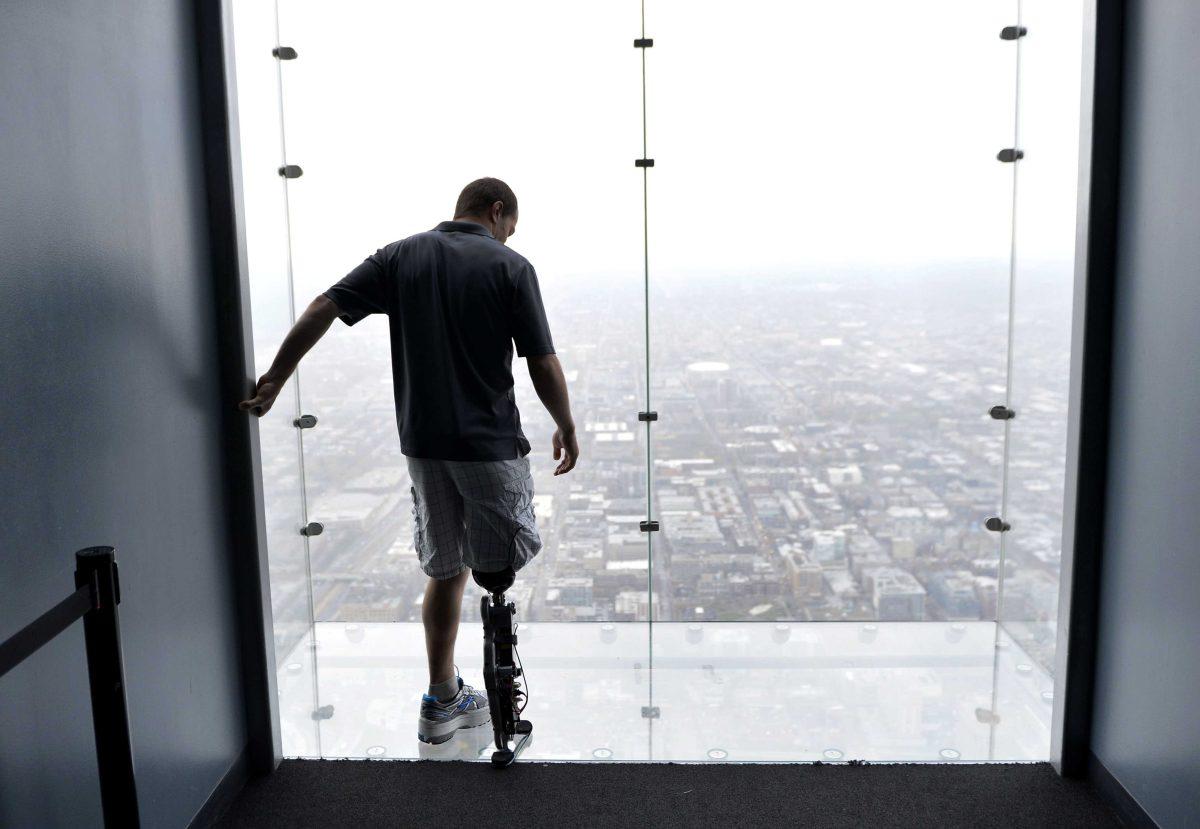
pixel 264 396
pixel 309 328
pixel 551 387
pixel 566 445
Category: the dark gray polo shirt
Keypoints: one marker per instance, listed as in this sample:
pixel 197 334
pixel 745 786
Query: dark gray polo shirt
pixel 456 301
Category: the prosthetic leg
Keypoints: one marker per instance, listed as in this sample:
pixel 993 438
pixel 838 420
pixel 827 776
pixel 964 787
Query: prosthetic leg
pixel 505 698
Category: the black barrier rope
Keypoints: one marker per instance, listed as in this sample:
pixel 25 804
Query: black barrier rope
pixel 25 642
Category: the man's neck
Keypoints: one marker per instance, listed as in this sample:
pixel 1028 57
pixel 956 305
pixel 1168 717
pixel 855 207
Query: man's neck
pixel 477 220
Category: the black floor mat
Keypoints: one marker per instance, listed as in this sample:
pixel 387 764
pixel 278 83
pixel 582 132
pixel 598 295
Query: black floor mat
pixel 333 793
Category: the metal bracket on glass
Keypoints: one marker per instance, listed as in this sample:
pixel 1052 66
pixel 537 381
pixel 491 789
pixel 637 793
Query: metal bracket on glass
pixel 1010 154
pixel 647 417
pixel 643 43
pixel 643 162
pixel 291 171
pixel 305 421
pixel 1001 413
pixel 325 712
pixel 648 526
pixel 285 53
pixel 997 525
pixel 1013 32
pixel 651 712
pixel 312 528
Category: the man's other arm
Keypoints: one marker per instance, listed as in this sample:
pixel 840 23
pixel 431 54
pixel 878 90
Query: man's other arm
pixel 551 386
pixel 309 328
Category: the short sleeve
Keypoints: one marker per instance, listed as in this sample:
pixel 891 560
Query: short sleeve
pixel 531 330
pixel 362 292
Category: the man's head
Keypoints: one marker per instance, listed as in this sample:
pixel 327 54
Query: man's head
pixel 491 203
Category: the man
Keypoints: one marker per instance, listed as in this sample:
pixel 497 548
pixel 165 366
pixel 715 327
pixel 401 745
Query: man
pixel 457 299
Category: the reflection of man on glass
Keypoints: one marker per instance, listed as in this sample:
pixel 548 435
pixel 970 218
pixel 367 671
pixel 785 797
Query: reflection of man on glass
pixel 457 299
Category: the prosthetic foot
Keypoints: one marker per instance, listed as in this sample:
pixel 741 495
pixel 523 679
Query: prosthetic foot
pixel 500 672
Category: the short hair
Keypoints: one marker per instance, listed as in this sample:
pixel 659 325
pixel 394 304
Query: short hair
pixel 478 197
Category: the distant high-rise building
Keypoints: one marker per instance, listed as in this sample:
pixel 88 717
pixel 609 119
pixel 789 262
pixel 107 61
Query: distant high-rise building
pixel 896 594
pixel 903 548
pixel 829 546
pixel 805 575
pixel 634 605
pixel 954 592
pixel 849 475
pixel 570 591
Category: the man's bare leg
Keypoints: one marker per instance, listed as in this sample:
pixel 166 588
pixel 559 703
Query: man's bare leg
pixel 440 612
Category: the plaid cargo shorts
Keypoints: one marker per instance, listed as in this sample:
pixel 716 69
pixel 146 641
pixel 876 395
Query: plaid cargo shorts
pixel 476 514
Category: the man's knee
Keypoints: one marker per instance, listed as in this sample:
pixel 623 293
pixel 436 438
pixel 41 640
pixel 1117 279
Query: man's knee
pixel 441 577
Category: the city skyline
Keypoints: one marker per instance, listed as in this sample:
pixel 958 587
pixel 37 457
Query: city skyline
pixel 845 470
pixel 838 467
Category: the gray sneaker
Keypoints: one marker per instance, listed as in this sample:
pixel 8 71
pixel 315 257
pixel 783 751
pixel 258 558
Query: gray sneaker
pixel 439 720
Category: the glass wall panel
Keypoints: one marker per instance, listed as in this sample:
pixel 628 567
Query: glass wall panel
pixel 264 198
pixel 1045 253
pixel 830 256
pixel 895 691
pixel 830 233
pixel 374 673
pixel 391 109
pixel 1047 180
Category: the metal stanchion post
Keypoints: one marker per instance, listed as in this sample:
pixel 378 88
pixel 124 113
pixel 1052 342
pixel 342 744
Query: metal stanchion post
pixel 106 672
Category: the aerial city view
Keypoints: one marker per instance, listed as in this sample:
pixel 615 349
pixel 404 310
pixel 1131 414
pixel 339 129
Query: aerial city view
pixel 823 451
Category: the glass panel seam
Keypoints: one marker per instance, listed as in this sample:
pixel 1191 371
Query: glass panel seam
pixel 649 449
pixel 287 221
pixel 1008 389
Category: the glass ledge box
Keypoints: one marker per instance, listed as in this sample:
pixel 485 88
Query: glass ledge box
pixel 735 691
pixel 834 286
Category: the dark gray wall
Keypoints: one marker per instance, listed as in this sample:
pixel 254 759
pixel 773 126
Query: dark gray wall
pixel 110 413
pixel 1146 728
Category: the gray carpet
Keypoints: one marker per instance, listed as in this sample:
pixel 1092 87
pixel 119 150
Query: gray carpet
pixel 334 793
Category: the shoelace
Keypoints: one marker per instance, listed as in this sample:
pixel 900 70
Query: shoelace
pixel 518 694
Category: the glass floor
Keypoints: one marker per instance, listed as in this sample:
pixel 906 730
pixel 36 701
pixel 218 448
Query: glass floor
pixel 725 692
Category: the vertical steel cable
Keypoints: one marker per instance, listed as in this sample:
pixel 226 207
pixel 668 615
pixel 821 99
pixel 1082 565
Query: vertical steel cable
pixel 287 223
pixel 649 456
pixel 1008 390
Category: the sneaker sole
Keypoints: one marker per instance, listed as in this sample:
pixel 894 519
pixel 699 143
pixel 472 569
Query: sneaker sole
pixel 439 732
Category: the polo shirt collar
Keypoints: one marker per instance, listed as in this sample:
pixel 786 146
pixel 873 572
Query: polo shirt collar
pixel 465 227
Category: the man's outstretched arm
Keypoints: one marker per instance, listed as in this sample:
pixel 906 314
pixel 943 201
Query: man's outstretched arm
pixel 551 386
pixel 309 328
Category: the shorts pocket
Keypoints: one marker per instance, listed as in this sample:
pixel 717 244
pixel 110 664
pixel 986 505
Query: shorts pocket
pixel 518 497
pixel 526 542
pixel 420 520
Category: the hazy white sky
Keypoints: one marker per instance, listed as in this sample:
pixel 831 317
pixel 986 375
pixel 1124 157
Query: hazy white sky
pixel 786 134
